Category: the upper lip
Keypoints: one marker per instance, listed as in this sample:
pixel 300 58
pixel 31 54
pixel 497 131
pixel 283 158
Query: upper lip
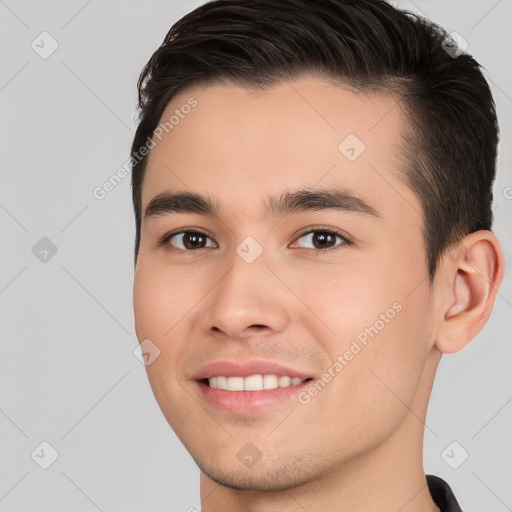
pixel 247 368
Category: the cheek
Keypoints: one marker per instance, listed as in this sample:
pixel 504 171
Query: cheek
pixel 160 300
pixel 374 384
pixel 381 332
pixel 160 303
pixel 147 304
pixel 337 304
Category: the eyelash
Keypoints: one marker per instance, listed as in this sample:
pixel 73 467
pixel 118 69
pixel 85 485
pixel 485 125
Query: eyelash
pixel 164 241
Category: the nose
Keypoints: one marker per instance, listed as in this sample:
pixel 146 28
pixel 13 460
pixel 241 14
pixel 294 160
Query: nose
pixel 248 299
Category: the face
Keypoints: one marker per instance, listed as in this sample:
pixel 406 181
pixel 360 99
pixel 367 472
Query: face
pixel 287 324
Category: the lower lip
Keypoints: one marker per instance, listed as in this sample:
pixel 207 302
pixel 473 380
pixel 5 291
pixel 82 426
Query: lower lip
pixel 247 402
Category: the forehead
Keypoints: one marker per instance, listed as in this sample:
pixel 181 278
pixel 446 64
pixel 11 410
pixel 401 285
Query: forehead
pixel 241 146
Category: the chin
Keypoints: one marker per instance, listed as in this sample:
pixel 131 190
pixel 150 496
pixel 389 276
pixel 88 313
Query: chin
pixel 259 482
pixel 276 475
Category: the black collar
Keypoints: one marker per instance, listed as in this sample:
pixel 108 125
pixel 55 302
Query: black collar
pixel 442 494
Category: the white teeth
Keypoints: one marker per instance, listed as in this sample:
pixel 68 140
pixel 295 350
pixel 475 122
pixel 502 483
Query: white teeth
pixel 222 382
pixel 270 382
pixel 253 382
pixel 284 382
pixel 235 383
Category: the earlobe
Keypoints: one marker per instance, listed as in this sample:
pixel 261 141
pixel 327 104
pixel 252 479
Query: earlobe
pixel 474 277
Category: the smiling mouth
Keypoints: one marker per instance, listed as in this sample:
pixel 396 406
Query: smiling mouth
pixel 257 382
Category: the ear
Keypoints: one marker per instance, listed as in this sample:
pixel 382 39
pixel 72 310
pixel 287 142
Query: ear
pixel 470 277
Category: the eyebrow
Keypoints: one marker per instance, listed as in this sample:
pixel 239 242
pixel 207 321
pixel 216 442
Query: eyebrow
pixel 294 201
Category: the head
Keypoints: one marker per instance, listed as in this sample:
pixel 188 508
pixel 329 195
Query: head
pixel 351 120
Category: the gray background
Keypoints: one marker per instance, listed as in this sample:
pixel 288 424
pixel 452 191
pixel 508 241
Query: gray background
pixel 68 373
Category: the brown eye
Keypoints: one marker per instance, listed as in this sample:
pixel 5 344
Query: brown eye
pixel 322 240
pixel 189 240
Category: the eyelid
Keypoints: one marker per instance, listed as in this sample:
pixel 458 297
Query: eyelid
pixel 164 240
pixel 347 240
pixel 327 229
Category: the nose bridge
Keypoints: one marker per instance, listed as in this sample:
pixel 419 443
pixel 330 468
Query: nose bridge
pixel 246 295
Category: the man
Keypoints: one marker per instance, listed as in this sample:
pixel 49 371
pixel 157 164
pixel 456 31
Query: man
pixel 312 185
